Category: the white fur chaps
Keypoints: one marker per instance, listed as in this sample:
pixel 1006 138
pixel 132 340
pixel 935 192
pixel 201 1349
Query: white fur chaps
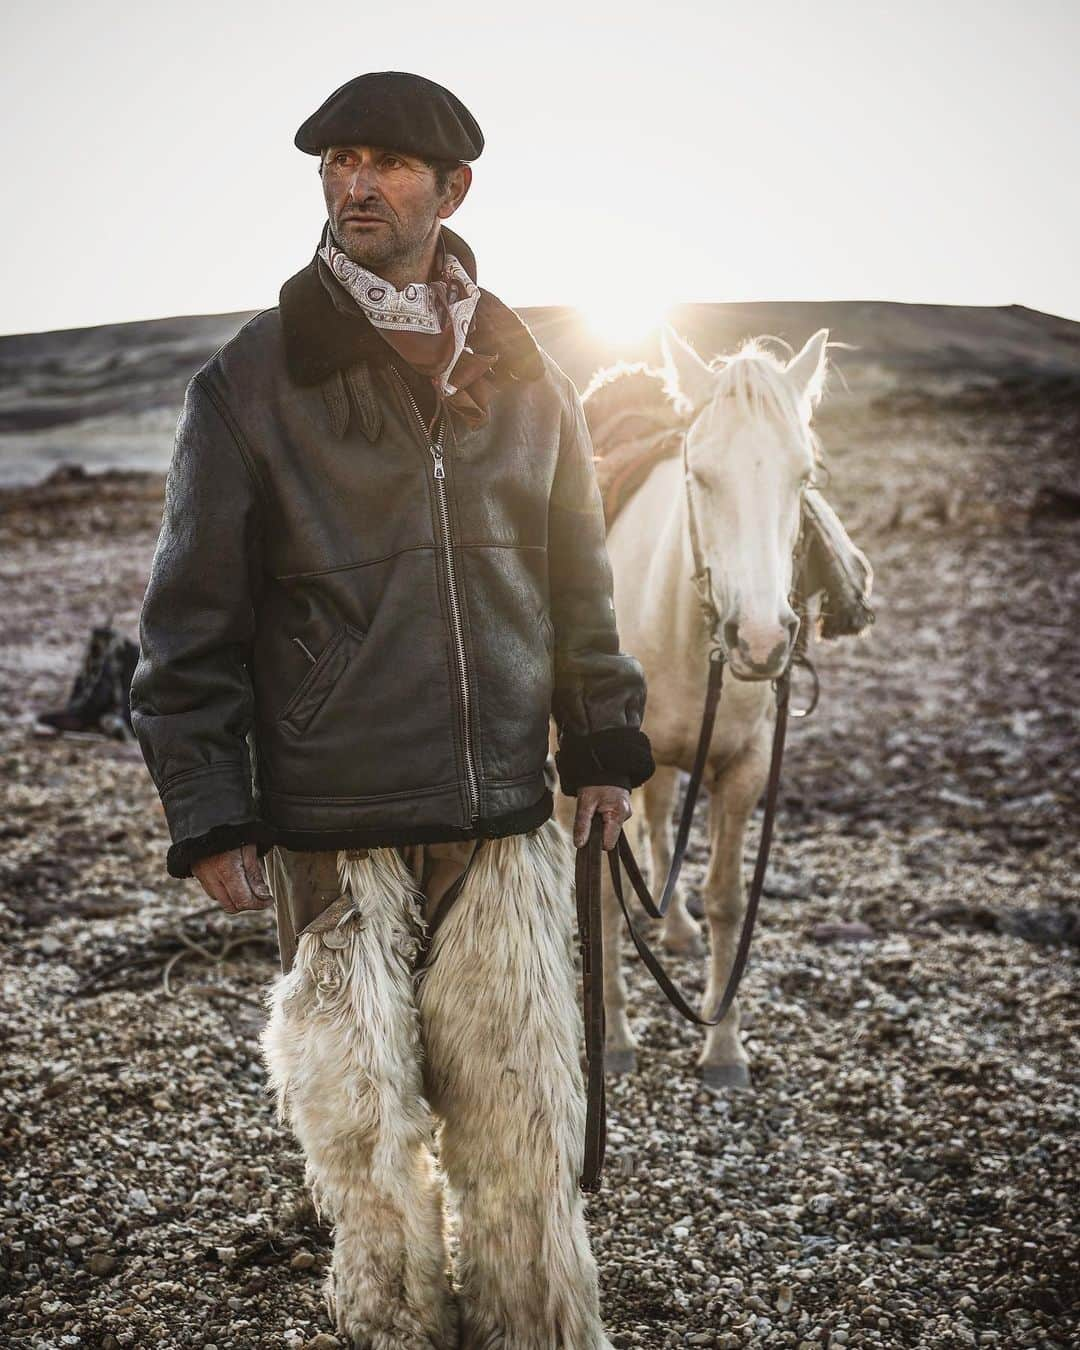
pixel 375 1068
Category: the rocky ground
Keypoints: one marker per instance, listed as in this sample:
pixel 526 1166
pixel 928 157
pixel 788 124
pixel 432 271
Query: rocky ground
pixel 903 1172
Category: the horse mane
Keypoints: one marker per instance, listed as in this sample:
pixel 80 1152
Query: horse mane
pixel 754 377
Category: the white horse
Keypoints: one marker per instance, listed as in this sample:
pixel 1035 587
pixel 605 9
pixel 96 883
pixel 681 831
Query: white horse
pixel 750 452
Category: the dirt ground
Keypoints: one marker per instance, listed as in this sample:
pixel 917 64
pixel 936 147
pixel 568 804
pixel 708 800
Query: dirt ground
pixel 903 1172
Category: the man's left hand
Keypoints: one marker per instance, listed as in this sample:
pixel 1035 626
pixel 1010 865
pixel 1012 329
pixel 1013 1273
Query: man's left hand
pixel 613 806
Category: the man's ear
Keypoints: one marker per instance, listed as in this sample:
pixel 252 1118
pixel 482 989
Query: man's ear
pixel 460 182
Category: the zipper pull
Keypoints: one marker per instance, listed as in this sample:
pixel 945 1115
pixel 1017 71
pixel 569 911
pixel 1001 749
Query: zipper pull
pixel 437 455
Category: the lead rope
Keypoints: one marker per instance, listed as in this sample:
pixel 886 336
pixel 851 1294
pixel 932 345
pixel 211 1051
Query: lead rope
pixel 587 882
pixel 757 886
pixel 590 933
pixel 587 872
pixel 590 930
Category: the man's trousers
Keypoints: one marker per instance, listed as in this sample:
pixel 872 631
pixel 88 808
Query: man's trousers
pixel 465 1071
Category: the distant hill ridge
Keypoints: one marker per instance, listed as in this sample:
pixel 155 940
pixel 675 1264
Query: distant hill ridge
pixel 110 394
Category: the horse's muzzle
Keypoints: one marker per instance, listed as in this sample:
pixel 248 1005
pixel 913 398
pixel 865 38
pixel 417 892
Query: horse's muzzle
pixel 759 654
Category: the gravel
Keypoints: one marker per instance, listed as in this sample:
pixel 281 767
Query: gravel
pixel 902 1172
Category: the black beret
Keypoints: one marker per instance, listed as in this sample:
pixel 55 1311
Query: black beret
pixel 397 110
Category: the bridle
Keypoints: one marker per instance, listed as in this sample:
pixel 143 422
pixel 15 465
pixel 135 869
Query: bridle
pixel 701 574
pixel 588 860
pixel 701 577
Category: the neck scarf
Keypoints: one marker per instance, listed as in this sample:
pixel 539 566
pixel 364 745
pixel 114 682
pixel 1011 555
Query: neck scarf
pixel 426 323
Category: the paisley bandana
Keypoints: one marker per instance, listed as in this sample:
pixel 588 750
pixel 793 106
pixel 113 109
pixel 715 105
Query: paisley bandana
pixel 427 323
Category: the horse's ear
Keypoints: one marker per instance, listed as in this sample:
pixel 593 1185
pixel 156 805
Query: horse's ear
pixel 687 379
pixel 807 370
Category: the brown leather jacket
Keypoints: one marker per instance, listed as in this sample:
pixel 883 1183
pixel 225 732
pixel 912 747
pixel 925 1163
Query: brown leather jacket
pixel 353 638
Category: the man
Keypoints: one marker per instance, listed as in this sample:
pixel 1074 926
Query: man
pixel 381 570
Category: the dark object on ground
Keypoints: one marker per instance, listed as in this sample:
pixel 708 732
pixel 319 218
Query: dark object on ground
pixel 100 697
pixel 1051 927
pixel 855 931
pixel 1055 503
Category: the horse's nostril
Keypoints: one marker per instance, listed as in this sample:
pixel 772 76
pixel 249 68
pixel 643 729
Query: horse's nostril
pixel 730 633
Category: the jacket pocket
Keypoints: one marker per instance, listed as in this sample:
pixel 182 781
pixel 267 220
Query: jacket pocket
pixel 314 689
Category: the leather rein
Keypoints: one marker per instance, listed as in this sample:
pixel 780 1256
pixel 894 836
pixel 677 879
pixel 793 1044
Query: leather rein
pixel 588 860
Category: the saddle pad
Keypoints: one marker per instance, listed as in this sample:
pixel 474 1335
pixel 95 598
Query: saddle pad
pixel 623 467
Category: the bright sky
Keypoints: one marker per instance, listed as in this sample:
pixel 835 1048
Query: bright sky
pixel 848 149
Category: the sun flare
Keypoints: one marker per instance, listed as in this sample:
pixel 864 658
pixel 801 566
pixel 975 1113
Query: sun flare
pixel 624 319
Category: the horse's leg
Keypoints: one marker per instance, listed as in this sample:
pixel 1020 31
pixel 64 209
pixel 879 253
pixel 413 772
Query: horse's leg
pixel 723 1061
pixel 342 1046
pixel 501 1026
pixel 679 931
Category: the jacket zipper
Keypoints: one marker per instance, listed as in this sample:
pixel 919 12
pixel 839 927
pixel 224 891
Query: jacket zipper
pixel 439 475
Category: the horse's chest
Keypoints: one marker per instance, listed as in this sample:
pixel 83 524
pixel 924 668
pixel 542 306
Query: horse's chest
pixel 742 728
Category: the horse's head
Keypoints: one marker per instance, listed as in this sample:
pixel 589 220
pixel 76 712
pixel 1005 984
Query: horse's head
pixel 750 452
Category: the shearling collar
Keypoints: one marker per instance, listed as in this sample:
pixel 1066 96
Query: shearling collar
pixel 321 337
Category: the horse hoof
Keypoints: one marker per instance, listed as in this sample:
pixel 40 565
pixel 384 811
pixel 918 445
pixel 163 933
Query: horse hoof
pixel 696 907
pixel 725 1075
pixel 620 1061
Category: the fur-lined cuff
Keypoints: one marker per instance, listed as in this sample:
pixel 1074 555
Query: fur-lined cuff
pixel 217 840
pixel 615 757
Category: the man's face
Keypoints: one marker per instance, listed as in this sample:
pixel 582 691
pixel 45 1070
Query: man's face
pixel 383 204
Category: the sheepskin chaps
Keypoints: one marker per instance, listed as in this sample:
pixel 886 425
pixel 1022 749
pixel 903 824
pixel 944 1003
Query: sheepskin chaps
pixel 444 1111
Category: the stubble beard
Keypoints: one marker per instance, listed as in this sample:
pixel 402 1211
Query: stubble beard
pixel 382 248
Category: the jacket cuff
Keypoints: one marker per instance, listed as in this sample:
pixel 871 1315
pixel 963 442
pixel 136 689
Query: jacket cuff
pixel 219 839
pixel 614 757
pixel 209 810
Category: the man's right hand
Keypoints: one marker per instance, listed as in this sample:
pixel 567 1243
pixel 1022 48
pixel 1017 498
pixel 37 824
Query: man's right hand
pixel 234 879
